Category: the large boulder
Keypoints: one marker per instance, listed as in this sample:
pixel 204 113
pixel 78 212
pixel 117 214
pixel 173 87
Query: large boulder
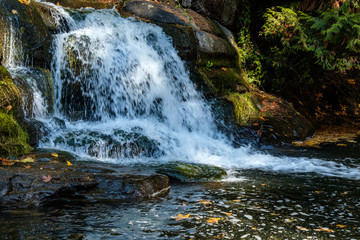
pixel 43 179
pixel 227 12
pixel 195 37
pixel 273 117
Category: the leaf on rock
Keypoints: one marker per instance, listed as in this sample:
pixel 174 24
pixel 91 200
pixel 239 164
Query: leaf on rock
pixel 27 160
pixel 54 155
pixel 46 178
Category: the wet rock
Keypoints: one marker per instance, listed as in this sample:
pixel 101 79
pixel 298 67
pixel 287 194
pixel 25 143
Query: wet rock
pixel 26 32
pixel 50 182
pixel 54 21
pixel 195 37
pixel 153 12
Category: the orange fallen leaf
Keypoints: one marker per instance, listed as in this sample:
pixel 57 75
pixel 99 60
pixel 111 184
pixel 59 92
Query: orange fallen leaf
pixel 69 163
pixel 27 166
pixel 182 217
pixel 262 118
pixel 228 213
pixel 302 228
pixel 340 226
pixel 213 220
pixel 46 178
pixel 319 192
pixel 54 154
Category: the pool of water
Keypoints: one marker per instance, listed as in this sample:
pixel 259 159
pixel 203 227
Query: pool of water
pixel 262 205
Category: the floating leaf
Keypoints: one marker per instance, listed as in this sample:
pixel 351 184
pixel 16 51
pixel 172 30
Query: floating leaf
pixel 341 145
pixel 340 226
pixel 213 220
pixel 318 192
pixel 182 217
pixel 274 214
pixel 54 154
pixel 302 228
pixel 46 178
pixel 69 163
pixel 324 230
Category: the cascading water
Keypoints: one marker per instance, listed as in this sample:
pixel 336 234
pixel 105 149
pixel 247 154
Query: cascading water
pixel 122 94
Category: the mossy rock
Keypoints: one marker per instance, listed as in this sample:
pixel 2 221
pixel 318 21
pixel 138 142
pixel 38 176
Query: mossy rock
pixel 13 139
pixel 245 109
pixel 224 81
pixel 9 93
pixel 191 172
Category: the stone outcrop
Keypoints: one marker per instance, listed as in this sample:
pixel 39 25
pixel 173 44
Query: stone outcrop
pixel 35 182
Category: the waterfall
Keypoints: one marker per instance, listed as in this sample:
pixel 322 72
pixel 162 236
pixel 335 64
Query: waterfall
pixel 123 95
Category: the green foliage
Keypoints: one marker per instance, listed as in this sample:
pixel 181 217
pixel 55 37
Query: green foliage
pixel 209 65
pixel 249 55
pixel 331 37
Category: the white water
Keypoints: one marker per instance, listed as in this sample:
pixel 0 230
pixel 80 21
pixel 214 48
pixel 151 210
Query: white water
pixel 125 75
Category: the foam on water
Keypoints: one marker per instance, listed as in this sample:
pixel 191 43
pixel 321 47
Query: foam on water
pixel 116 75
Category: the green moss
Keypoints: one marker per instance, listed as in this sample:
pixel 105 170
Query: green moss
pixel 13 139
pixel 245 109
pixel 9 92
pixel 190 172
pixel 224 81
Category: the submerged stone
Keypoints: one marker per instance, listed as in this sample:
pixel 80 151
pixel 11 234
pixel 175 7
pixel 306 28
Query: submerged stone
pixel 191 172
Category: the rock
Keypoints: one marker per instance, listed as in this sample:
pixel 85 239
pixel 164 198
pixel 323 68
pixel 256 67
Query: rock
pixel 97 4
pixel 224 11
pixel 274 118
pixel 52 182
pixel 32 41
pixel 54 21
pixel 154 12
pixel 190 172
pixel 195 37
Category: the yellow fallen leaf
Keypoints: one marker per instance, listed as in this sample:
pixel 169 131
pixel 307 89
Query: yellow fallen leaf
pixel 228 213
pixel 341 145
pixel 213 220
pixel 14 12
pixel 302 228
pixel 27 160
pixel 274 214
pixel 340 226
pixel 324 230
pixel 54 154
pixel 318 192
pixel 182 217
pixel 205 202
pixel 68 163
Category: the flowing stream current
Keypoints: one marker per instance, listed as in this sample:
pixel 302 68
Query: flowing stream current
pixel 123 95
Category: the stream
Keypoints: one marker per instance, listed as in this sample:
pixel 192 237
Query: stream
pixel 122 95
